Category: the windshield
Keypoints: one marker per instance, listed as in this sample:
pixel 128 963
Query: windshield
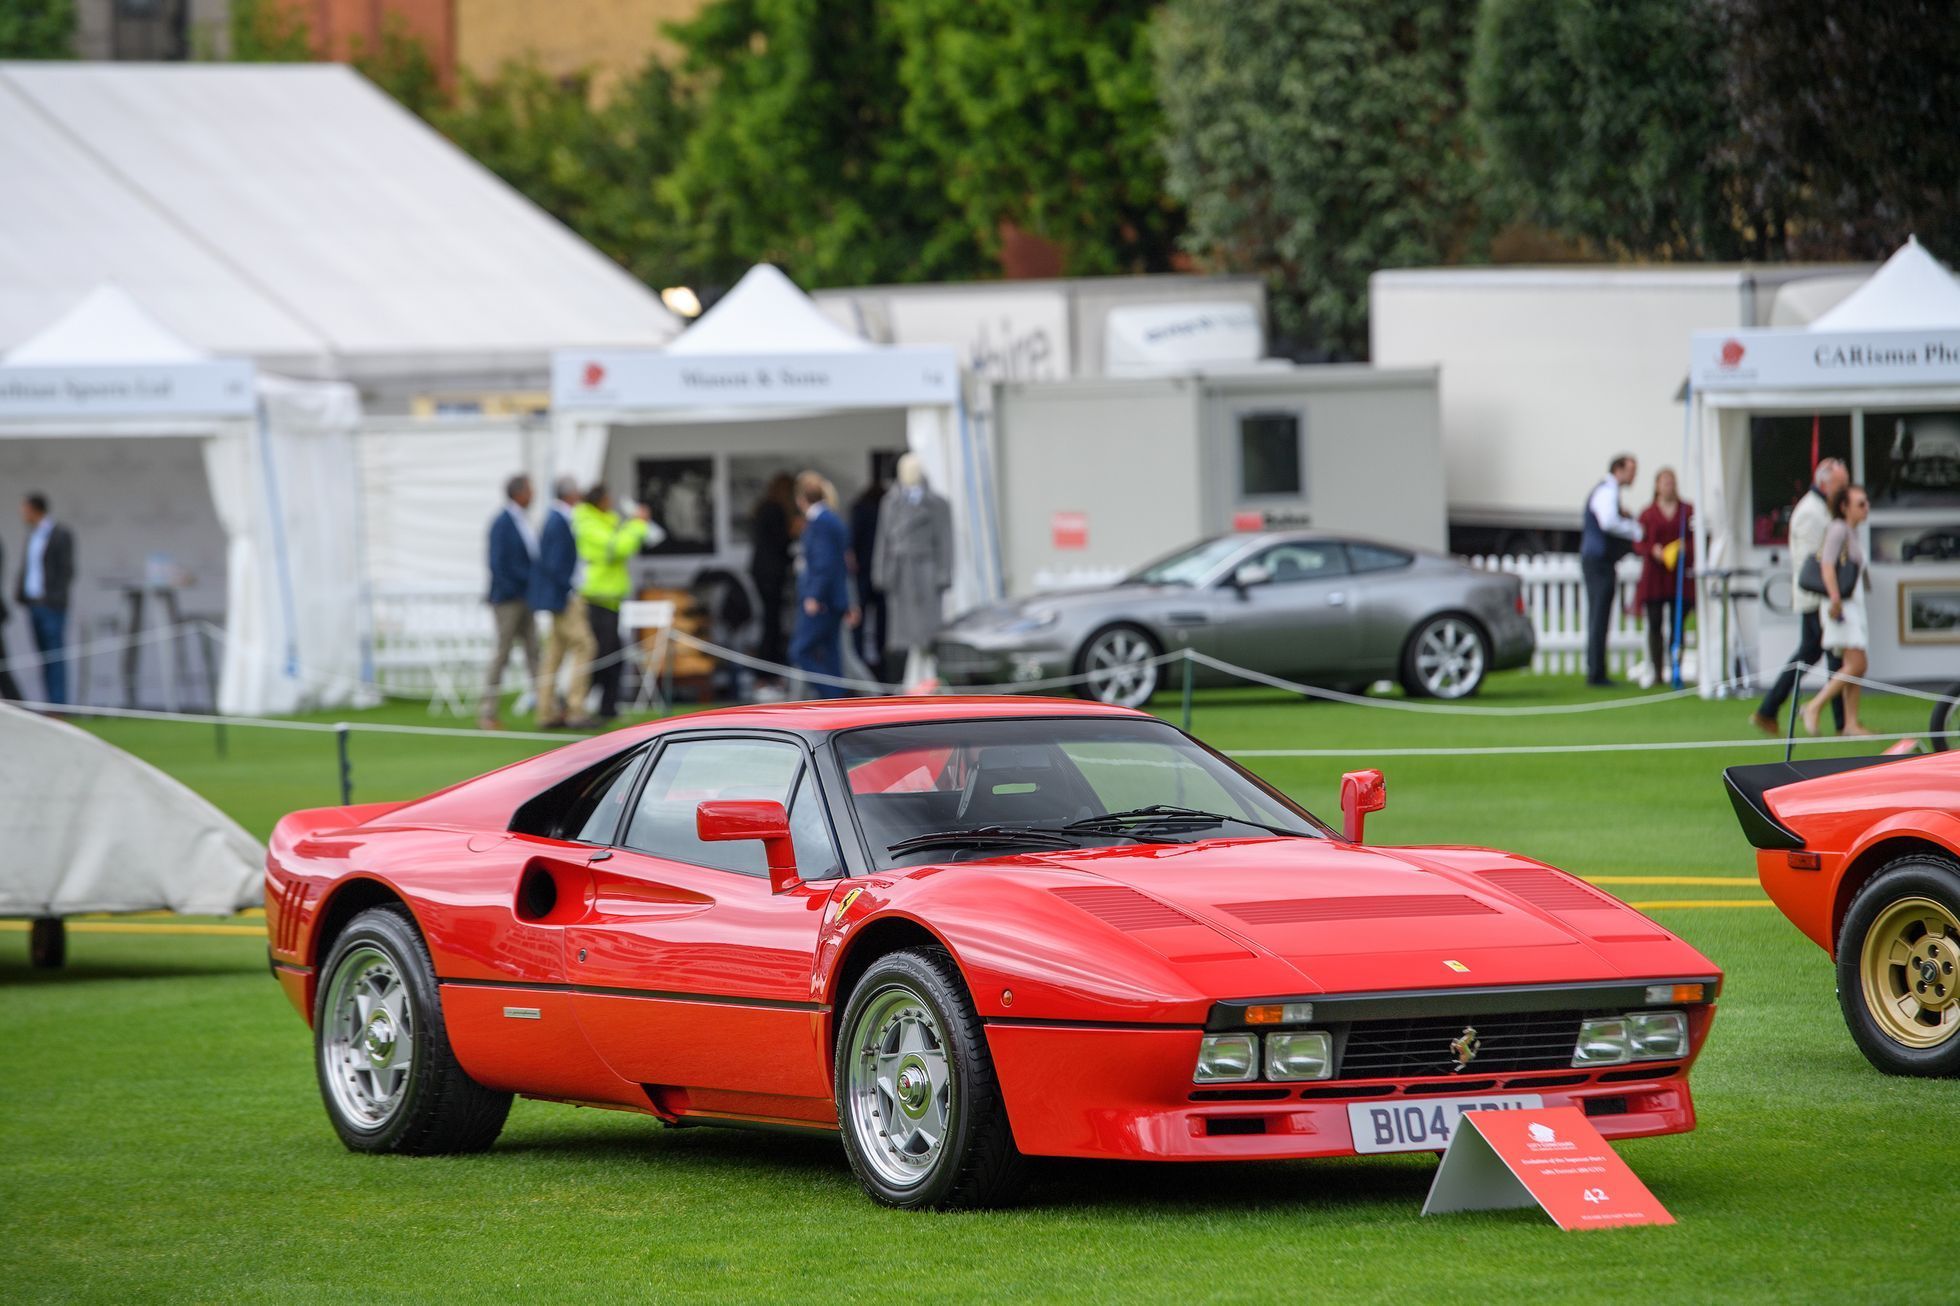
pixel 1189 566
pixel 956 790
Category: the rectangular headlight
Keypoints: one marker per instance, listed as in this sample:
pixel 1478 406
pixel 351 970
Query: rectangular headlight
pixel 1658 1035
pixel 1306 1055
pixel 1602 1042
pixel 1227 1059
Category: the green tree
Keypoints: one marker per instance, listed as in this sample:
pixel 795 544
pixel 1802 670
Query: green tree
pixel 596 169
pixel 269 31
pixel 1316 141
pixel 799 156
pixel 37 29
pixel 1043 116
pixel 1841 114
pixel 401 65
pixel 1606 119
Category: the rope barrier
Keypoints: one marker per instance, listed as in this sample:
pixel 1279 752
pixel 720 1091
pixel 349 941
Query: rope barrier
pixel 1527 750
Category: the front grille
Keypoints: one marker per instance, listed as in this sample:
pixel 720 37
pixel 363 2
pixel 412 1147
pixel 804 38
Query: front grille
pixel 1415 1048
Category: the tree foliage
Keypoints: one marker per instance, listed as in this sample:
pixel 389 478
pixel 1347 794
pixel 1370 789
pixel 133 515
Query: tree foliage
pixel 799 156
pixel 1607 119
pixel 1843 112
pixel 1043 116
pixel 269 31
pixel 37 29
pixel 596 168
pixel 1315 141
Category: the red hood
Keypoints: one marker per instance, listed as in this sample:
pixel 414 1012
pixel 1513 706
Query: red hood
pixel 1350 919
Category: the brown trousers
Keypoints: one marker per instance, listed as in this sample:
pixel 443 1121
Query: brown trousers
pixel 570 638
pixel 514 628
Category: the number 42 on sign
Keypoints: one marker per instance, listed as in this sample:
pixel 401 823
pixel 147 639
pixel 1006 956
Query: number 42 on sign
pixel 1551 1158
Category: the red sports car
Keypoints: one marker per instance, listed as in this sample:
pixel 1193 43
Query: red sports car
pixel 958 932
pixel 1863 855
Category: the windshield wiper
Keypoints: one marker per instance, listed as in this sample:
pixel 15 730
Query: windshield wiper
pixel 984 836
pixel 1167 814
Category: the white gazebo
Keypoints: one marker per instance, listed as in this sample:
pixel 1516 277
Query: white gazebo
pixel 1875 380
pixel 766 382
pixel 200 478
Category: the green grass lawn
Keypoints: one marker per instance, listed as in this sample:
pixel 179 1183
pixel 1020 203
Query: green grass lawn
pixel 161 1134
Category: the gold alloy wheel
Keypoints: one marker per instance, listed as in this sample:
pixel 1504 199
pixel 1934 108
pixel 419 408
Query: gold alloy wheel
pixel 1910 971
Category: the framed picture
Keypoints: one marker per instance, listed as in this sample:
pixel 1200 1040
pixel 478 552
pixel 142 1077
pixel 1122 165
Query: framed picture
pixel 1920 542
pixel 681 492
pixel 1929 612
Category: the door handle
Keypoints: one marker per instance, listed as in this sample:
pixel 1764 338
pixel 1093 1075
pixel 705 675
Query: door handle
pixel 1337 600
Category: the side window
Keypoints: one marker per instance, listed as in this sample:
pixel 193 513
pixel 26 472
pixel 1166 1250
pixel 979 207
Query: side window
pixel 816 851
pixel 1374 557
pixel 691 772
pixel 1303 560
pixel 586 807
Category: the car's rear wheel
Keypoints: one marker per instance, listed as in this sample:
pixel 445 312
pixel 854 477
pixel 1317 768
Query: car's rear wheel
pixel 1898 961
pixel 917 1101
pixel 1120 666
pixel 1446 658
pixel 387 1075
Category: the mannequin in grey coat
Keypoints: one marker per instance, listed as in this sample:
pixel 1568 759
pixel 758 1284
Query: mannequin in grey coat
pixel 913 564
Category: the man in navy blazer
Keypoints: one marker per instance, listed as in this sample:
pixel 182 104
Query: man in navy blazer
pixel 823 587
pixel 553 589
pixel 513 548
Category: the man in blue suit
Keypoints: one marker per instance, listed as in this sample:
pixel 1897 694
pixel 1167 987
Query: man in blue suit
pixel 553 589
pixel 513 548
pixel 823 587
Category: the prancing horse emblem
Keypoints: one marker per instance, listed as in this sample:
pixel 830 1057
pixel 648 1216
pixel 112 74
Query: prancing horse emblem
pixel 1464 1048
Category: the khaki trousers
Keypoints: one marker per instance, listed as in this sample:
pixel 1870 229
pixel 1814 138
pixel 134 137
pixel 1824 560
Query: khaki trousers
pixel 570 638
pixel 514 627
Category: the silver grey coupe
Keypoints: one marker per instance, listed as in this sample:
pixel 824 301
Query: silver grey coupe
pixel 1326 611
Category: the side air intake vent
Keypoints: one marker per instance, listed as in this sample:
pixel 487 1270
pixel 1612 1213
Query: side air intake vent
pixel 1285 910
pixel 1548 889
pixel 1123 907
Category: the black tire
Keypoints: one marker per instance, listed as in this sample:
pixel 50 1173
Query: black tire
pixel 1153 672
pixel 1925 876
pixel 977 1164
pixel 1458 626
pixel 438 1108
pixel 1944 719
pixel 47 943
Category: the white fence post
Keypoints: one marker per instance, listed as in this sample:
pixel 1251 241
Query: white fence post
pixel 1555 601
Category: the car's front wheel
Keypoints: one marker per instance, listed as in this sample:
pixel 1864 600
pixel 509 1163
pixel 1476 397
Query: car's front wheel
pixel 917 1101
pixel 1119 666
pixel 387 1075
pixel 1898 961
pixel 1445 658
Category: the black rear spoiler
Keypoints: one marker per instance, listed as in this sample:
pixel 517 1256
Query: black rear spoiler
pixel 1748 784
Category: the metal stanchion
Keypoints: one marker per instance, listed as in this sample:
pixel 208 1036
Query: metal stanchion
pixel 341 733
pixel 1187 691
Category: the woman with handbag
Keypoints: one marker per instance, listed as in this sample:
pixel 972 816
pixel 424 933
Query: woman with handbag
pixel 1836 573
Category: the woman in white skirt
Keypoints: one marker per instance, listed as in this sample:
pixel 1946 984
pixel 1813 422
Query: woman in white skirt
pixel 1844 614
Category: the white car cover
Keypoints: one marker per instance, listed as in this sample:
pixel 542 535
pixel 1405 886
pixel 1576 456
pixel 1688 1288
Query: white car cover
pixel 89 828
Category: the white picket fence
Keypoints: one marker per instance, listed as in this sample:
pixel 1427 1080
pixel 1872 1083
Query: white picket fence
pixel 1555 600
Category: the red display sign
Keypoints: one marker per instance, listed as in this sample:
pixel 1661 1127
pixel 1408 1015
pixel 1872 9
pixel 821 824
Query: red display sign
pixel 1070 530
pixel 1248 519
pixel 1550 1158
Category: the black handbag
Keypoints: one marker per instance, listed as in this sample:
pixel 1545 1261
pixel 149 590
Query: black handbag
pixel 1810 577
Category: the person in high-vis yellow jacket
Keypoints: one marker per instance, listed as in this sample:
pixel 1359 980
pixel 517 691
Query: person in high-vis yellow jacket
pixel 605 543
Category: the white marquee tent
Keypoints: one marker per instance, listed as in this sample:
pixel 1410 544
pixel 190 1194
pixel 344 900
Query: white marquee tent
pixel 162 458
pixel 766 365
pixel 1888 357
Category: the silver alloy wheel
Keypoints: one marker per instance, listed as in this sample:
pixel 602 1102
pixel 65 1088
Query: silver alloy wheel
pixel 368 1046
pixel 1121 668
pixel 900 1087
pixel 1449 657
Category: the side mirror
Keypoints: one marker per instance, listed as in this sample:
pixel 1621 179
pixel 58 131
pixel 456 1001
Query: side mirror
pixel 1362 792
pixel 733 819
pixel 1250 574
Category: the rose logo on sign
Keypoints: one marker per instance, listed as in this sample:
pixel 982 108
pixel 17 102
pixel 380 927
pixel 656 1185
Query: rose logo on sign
pixel 594 374
pixel 1732 352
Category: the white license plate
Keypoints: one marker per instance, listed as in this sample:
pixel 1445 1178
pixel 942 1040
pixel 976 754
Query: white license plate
pixel 1423 1124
